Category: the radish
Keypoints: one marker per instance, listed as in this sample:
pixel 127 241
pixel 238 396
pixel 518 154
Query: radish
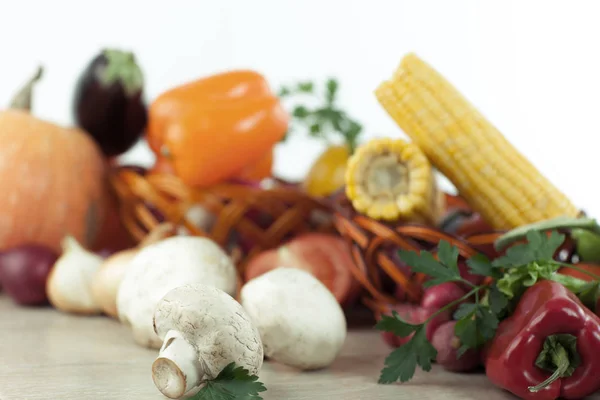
pixel 441 295
pixel 447 344
pixel 465 274
pixel 415 314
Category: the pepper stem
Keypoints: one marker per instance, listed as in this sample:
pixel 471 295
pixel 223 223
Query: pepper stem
pixel 22 100
pixel 559 355
pixel 561 367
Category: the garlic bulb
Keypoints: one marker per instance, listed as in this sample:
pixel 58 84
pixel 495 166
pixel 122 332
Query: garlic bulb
pixel 69 285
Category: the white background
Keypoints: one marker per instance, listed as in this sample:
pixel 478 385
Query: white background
pixel 533 67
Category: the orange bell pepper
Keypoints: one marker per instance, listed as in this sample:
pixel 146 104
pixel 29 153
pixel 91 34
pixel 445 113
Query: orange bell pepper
pixel 217 128
pixel 258 171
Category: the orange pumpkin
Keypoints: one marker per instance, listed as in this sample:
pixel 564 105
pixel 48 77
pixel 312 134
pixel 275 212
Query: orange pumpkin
pixel 53 180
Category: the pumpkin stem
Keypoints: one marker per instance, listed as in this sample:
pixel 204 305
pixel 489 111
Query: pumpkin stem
pixel 23 99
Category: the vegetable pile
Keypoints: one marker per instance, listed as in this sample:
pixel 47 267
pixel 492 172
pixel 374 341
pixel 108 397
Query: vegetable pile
pixel 524 308
pixel 529 324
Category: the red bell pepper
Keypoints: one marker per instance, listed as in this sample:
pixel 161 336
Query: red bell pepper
pixel 548 348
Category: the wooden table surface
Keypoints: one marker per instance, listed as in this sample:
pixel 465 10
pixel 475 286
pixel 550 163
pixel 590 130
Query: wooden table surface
pixel 45 354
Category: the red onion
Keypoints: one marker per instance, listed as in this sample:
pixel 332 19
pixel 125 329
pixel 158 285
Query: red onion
pixel 24 271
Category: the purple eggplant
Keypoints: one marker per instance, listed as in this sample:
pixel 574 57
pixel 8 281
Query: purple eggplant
pixel 108 101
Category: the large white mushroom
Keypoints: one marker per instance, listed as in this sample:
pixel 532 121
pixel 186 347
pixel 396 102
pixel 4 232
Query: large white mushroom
pixel 165 265
pixel 301 324
pixel 203 329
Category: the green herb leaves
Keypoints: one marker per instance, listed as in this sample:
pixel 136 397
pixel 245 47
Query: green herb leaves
pixel 327 118
pixel 396 325
pixel 232 383
pixel 476 325
pixel 522 266
pixel 539 248
pixel 402 363
pixel 526 263
pixel 444 270
pixel 479 264
pixel 497 301
pixel 477 321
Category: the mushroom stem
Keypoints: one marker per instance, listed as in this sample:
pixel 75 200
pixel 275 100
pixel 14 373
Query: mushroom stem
pixel 177 370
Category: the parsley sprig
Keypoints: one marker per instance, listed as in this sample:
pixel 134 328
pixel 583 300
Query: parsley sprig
pixel 232 383
pixel 520 267
pixel 326 117
pixel 477 322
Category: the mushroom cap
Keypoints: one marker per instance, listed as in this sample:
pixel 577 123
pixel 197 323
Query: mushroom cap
pixel 214 323
pixel 163 266
pixel 300 321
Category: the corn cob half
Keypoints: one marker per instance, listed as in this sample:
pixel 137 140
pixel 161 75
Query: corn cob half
pixel 391 179
pixel 495 178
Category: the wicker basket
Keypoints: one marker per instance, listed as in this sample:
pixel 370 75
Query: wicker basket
pixel 373 245
pixel 284 212
pixel 245 219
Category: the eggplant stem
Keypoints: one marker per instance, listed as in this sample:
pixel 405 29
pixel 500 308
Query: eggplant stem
pixel 122 68
pixel 22 100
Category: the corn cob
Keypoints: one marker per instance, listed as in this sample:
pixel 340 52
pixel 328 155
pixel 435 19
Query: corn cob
pixel 391 179
pixel 495 178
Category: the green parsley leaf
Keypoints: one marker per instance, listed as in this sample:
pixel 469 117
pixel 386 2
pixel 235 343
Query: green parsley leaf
pixel 475 326
pixel 487 323
pixel 232 383
pixel 305 87
pixel 326 119
pixel 284 91
pixel 516 280
pixel 332 87
pixel 515 256
pixel 538 248
pixel 448 255
pixel 466 331
pixel 465 310
pixel 549 245
pixel 396 325
pixel 300 112
pixel 425 263
pixel 497 300
pixel 315 129
pixel 479 264
pixel 402 363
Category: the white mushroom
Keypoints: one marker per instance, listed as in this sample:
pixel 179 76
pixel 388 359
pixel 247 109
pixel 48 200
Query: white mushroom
pixel 107 279
pixel 109 276
pixel 204 329
pixel 300 322
pixel 163 266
